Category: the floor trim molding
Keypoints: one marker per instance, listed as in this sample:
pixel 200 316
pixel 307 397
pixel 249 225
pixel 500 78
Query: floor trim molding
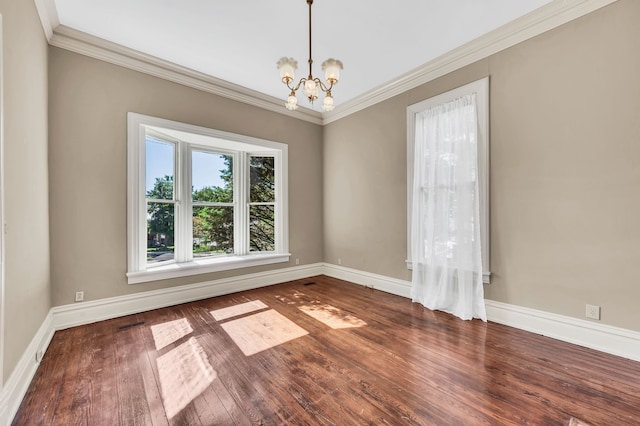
pixel 62 317
pixel 368 279
pixel 601 337
pixel 16 386
pixel 84 313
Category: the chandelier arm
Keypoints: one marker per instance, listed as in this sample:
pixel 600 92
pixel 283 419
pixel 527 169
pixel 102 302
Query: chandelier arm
pixel 300 83
pixel 323 86
pixel 287 81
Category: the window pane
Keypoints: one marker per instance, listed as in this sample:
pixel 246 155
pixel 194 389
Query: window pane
pixel 262 179
pixel 159 169
pixel 212 177
pixel 212 230
pixel 262 236
pixel 160 232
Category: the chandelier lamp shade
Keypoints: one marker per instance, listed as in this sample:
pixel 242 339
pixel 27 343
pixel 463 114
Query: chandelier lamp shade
pixel 311 86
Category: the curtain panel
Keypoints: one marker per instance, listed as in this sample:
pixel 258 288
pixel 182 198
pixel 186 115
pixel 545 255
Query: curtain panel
pixel 445 218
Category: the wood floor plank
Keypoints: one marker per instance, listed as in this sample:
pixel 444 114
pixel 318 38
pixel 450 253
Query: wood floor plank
pixel 65 409
pixel 237 376
pixel 406 365
pixel 217 396
pixel 95 398
pixel 206 406
pixel 133 407
pixel 49 376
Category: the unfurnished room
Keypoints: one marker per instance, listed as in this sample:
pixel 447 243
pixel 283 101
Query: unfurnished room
pixel 314 212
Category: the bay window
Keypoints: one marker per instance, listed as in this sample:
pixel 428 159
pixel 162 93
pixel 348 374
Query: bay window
pixel 201 200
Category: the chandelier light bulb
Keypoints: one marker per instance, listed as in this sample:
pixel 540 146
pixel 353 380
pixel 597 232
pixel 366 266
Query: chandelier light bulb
pixel 311 90
pixel 287 67
pixel 327 105
pixel 331 68
pixel 292 102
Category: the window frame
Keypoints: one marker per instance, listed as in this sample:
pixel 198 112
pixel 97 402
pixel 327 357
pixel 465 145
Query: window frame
pixel 188 138
pixel 481 89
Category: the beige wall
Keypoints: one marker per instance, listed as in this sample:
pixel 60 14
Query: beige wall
pixel 27 291
pixel 88 106
pixel 565 171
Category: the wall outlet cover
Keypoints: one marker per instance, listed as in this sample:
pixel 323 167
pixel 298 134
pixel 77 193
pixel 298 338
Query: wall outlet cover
pixel 593 312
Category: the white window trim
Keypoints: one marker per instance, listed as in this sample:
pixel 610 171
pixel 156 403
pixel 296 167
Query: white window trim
pixel 138 270
pixel 481 89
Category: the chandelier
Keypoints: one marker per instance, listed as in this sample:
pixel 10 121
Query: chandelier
pixel 311 86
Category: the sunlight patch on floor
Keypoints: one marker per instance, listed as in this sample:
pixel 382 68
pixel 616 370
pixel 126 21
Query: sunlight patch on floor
pixel 184 373
pixel 166 333
pixel 332 316
pixel 262 331
pixel 236 310
pixel 294 298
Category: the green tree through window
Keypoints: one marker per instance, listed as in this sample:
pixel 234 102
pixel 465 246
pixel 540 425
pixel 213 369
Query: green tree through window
pixel 160 220
pixel 213 225
pixel 262 203
pixel 202 200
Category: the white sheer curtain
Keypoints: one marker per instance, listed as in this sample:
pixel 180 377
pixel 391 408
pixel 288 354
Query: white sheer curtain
pixel 445 220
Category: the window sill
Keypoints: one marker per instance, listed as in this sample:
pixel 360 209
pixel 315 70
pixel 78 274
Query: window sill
pixel 486 276
pixel 177 270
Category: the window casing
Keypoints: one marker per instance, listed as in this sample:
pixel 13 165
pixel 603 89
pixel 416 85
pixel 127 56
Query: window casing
pixel 202 200
pixel 481 89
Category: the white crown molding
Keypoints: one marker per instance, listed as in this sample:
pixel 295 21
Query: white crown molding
pixel 77 41
pixel 550 16
pixel 48 16
pixel 95 47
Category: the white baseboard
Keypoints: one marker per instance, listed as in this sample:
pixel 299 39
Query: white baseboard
pixel 16 387
pixel 87 312
pixel 601 337
pixel 604 338
pixel 61 317
pixel 379 282
pixel 4 416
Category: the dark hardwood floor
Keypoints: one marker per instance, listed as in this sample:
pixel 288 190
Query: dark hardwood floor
pixel 406 365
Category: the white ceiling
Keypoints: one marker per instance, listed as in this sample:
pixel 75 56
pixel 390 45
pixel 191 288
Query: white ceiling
pixel 240 41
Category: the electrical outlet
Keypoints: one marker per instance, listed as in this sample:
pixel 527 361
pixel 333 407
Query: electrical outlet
pixel 297 261
pixel 79 296
pixel 339 261
pixel 593 312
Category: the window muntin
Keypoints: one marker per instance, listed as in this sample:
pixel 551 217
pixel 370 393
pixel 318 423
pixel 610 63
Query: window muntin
pixel 222 196
pixel 262 203
pixel 212 202
pixel 160 200
pixel 481 89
